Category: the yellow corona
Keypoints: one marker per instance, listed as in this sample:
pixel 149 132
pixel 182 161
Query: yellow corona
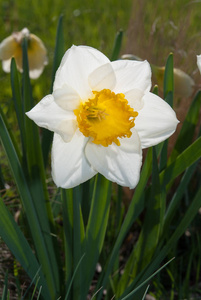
pixel 106 117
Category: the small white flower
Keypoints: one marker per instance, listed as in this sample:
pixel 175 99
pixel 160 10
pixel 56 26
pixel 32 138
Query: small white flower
pixel 12 47
pixel 102 115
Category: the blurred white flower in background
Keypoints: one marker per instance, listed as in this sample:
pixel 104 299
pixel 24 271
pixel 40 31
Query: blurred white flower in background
pixel 12 47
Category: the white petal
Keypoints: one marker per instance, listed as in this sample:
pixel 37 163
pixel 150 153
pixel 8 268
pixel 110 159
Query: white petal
pixel 102 78
pixel 132 75
pixel 156 121
pixel 37 53
pixel 8 47
pixel 66 97
pixel 6 65
pixel 76 65
pixel 34 74
pixel 120 164
pixel 134 98
pixel 69 164
pixel 49 115
pixel 199 62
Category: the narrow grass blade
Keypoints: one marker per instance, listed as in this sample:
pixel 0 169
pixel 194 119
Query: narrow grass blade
pixel 67 211
pixel 168 91
pixel 130 295
pixel 145 293
pixel 59 49
pixel 117 45
pixel 18 103
pixel 47 135
pixel 72 279
pixel 16 242
pixel 5 288
pixel 168 87
pixel 78 239
pixel 35 279
pixel 2 182
pixel 74 239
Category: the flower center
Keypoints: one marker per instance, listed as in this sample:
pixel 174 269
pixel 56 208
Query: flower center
pixel 106 117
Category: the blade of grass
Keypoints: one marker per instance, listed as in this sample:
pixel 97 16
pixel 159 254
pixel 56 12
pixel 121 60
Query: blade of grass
pixel 145 293
pixel 168 87
pixel 2 182
pixel 74 239
pixel 5 288
pixel 72 279
pixel 128 296
pixel 19 107
pixel 78 240
pixel 67 211
pixel 168 96
pixel 35 279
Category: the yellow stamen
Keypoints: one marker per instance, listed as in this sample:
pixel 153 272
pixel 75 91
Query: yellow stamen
pixel 106 117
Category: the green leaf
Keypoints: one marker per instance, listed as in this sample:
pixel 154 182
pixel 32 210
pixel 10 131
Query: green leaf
pixel 168 92
pixel 18 103
pixel 168 87
pixel 74 239
pixel 59 49
pixel 73 277
pixel 117 46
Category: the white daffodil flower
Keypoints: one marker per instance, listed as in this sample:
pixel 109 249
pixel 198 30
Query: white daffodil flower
pixel 12 47
pixel 102 115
